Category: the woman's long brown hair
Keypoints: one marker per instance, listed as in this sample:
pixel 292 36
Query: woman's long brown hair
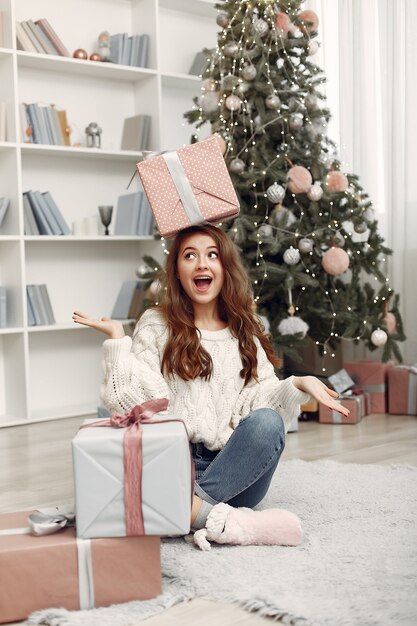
pixel 184 355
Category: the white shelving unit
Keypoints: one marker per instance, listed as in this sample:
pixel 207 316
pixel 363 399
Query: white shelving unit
pixel 50 372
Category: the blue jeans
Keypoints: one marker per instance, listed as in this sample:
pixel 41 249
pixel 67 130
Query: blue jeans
pixel 240 473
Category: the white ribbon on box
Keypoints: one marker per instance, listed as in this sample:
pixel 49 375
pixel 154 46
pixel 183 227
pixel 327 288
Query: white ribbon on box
pixel 50 520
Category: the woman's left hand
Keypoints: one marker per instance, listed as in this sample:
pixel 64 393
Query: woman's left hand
pixel 320 392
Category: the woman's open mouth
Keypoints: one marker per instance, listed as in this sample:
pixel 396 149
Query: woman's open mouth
pixel 203 283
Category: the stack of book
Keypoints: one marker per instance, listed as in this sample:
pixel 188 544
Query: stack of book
pixel 3 307
pixel 43 123
pixel 4 205
pixel 127 50
pixel 40 311
pixel 134 215
pixel 200 63
pixel 136 131
pixel 42 215
pixel 130 300
pixel 40 37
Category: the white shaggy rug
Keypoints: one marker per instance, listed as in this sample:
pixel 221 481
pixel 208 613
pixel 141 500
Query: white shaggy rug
pixel 356 566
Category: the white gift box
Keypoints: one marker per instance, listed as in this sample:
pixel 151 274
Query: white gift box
pixel 98 461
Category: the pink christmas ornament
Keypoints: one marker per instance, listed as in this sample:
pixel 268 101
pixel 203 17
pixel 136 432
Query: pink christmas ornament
pixel 336 181
pixel 299 179
pixel 313 47
pixel 335 261
pixel 309 21
pixel 233 103
pixel 390 323
pixel 283 24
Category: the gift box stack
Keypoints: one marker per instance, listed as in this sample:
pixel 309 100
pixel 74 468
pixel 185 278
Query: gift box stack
pixel 371 379
pixel 133 483
pixel 402 390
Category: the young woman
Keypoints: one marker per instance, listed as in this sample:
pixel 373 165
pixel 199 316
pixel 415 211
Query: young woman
pixel 205 350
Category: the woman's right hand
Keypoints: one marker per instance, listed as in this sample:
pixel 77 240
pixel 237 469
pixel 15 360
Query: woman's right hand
pixel 112 328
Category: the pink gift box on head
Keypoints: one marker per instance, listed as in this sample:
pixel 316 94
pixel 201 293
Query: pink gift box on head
pixel 189 186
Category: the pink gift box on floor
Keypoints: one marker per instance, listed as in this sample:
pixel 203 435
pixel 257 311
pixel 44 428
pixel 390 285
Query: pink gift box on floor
pixel 371 377
pixel 355 404
pixel 189 186
pixel 53 570
pixel 402 390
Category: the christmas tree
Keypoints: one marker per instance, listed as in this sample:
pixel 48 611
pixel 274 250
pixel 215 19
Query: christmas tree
pixel 307 230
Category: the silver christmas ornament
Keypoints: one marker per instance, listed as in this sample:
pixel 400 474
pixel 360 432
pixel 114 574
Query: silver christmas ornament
pixel 236 166
pixel 275 193
pixel 291 256
pixel 315 192
pixel 272 101
pixel 379 337
pixel 249 72
pixel 230 49
pixel 296 121
pixel 142 270
pixel 233 103
pixel 222 19
pixel 155 287
pixel 305 245
pixel 293 325
pixel 360 227
pixel 260 27
pixel 265 230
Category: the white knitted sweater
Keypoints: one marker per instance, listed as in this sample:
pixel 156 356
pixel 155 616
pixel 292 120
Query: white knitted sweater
pixel 210 409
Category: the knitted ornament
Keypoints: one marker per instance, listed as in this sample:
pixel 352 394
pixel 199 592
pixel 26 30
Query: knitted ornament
pixel 315 192
pixel 309 21
pixel 335 261
pixel 155 287
pixel 283 24
pixel 233 103
pixel 260 27
pixel 293 325
pixel 230 49
pixel 291 256
pixel 379 337
pixel 296 121
pixel 275 193
pixel 299 179
pixel 265 230
pixel 336 181
pixel 305 245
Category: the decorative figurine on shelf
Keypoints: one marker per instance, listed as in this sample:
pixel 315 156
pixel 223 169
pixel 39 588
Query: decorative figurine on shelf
pixel 106 212
pixel 80 53
pixel 104 45
pixel 93 132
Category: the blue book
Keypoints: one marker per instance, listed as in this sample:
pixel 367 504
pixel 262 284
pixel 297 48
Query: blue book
pixel 4 205
pixel 143 51
pixel 46 303
pixel 50 218
pixel 36 132
pixel 127 214
pixel 41 221
pixel 31 316
pixel 40 124
pixel 31 227
pixel 3 307
pixel 127 47
pixel 35 301
pixel 65 229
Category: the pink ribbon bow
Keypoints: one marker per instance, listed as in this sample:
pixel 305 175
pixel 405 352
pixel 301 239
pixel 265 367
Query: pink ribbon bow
pixel 132 457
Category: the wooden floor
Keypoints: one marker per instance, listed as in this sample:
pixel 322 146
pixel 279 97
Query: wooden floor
pixel 36 470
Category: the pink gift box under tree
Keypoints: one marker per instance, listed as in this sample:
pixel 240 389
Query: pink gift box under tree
pixel 188 186
pixel 53 570
pixel 371 377
pixel 355 404
pixel 402 390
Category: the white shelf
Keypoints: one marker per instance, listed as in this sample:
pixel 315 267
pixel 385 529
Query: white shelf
pixel 51 372
pixel 80 152
pixel 96 69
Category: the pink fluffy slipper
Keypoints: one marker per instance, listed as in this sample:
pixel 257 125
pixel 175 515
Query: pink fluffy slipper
pixel 243 526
